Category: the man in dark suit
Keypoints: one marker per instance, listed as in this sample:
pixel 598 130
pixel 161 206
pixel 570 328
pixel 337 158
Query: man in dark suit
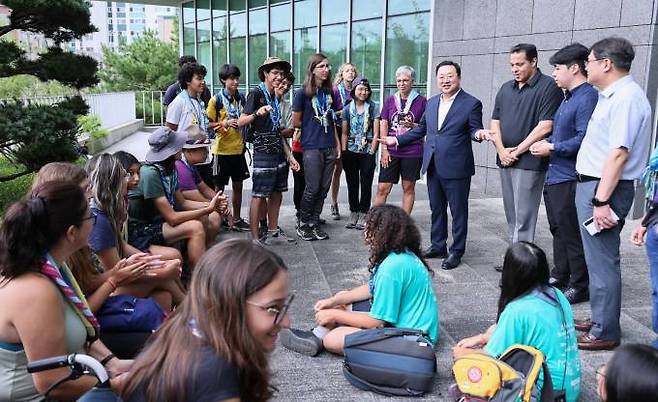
pixel 451 121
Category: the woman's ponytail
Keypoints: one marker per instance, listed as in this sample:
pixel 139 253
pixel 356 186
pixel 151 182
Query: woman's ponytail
pixel 34 224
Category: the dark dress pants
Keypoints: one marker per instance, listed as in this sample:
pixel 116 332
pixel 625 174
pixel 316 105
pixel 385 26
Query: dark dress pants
pixel 443 193
pixel 568 254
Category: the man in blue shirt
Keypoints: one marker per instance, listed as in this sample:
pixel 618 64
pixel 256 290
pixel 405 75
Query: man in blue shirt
pixel 569 127
pixel 612 156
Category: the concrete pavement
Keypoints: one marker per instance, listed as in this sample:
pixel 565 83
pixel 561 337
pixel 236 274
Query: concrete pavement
pixel 467 295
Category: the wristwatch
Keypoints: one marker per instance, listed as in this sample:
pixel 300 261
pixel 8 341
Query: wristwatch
pixel 598 203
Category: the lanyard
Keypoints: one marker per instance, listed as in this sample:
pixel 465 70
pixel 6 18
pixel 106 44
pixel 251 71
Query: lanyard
pixel 275 113
pixel 232 110
pixel 197 111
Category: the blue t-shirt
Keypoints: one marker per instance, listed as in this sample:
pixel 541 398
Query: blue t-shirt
pixel 102 235
pixel 403 294
pixel 313 132
pixel 536 320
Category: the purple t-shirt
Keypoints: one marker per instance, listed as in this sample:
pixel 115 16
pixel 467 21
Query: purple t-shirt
pixel 338 100
pixel 390 113
pixel 102 235
pixel 188 176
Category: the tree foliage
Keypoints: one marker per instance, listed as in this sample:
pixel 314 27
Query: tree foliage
pixel 33 134
pixel 146 64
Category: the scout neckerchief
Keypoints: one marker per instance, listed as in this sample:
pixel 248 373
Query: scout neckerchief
pixel 407 106
pixel 66 284
pixel 321 103
pixel 198 114
pixel 342 92
pixel 232 104
pixel 650 178
pixel 357 128
pixel 169 183
pixel 275 113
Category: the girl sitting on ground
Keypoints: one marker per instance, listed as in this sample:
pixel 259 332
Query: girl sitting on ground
pixel 615 383
pixel 215 346
pixel 532 313
pixel 109 188
pixel 360 122
pixel 131 165
pixel 399 292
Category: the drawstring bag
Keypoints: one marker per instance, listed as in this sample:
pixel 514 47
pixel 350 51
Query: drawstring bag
pixel 125 313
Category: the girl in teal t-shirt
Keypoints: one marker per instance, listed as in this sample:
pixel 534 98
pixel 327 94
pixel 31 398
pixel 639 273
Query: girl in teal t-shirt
pixel 532 313
pixel 398 294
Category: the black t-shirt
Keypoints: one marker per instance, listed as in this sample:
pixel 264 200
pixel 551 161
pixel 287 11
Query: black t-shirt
pixel 265 140
pixel 214 380
pixel 520 110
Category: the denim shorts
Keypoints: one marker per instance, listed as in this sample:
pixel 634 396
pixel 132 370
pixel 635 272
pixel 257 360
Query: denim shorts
pixel 142 236
pixel 270 174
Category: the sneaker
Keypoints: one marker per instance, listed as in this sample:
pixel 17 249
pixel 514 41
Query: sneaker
pixel 351 223
pixel 319 233
pixel 262 232
pixel 241 225
pixel 304 342
pixel 283 236
pixel 335 214
pixel 305 232
pixel 361 222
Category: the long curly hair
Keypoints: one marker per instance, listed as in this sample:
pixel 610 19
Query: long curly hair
pixel 390 229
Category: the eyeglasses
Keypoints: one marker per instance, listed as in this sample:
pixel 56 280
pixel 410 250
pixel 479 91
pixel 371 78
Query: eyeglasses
pixel 321 66
pixel 591 60
pixel 279 312
pixel 277 72
pixel 92 216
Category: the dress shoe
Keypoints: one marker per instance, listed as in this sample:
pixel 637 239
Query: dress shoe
pixel 583 325
pixel 590 342
pixel 557 283
pixel 498 267
pixel 451 262
pixel 433 253
pixel 575 296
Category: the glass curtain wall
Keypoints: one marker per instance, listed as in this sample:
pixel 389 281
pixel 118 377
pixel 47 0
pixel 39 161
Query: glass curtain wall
pixel 245 32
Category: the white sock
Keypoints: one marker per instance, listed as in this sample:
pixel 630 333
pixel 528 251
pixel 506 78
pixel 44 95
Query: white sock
pixel 320 331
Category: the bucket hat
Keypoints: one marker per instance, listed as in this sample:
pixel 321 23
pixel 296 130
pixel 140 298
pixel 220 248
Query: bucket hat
pixel 164 142
pixel 272 62
pixel 196 138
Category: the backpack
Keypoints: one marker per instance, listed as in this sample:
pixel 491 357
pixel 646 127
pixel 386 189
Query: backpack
pixel 390 361
pixel 513 377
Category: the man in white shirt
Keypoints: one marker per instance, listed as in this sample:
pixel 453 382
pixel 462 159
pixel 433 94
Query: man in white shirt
pixel 613 154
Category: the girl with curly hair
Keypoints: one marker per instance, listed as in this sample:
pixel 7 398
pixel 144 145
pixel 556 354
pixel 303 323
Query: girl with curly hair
pixel 398 294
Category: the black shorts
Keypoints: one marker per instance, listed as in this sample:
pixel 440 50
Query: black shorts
pixel 408 168
pixel 225 167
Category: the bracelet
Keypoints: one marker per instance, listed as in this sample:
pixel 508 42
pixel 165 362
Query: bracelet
pixel 107 359
pixel 112 283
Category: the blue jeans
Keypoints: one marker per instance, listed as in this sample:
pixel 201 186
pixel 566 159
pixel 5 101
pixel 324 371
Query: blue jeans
pixel 652 253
